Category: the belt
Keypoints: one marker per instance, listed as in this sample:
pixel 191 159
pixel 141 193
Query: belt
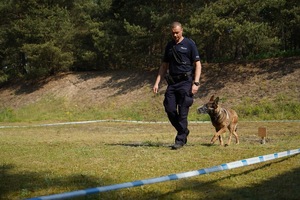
pixel 181 77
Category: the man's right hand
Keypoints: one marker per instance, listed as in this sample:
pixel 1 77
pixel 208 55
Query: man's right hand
pixel 155 88
pixel 162 71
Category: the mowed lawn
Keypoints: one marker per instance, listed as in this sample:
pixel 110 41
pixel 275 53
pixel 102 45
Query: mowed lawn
pixel 38 161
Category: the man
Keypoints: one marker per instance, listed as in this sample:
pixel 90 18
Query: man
pixel 182 69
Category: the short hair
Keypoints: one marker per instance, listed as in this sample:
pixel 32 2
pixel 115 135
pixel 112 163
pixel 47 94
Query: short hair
pixel 175 24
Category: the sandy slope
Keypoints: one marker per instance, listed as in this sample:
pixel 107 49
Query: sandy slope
pixel 266 79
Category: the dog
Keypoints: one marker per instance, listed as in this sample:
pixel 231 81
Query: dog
pixel 221 118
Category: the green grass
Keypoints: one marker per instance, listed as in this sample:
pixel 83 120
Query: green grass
pixel 39 161
pixel 59 109
pixel 280 108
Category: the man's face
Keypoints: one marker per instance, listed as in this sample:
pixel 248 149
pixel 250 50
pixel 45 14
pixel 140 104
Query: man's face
pixel 177 33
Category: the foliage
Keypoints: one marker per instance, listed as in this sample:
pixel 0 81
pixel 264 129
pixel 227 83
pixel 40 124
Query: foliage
pixel 47 59
pixel 45 37
pixel 233 29
pixel 40 34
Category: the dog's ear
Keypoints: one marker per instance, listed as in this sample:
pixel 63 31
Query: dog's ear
pixel 212 98
pixel 215 104
pixel 217 100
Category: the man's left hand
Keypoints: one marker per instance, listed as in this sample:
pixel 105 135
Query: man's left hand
pixel 195 89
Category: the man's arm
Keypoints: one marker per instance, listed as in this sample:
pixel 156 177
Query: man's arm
pixel 161 73
pixel 198 68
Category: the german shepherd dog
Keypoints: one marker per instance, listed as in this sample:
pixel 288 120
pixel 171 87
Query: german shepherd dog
pixel 221 119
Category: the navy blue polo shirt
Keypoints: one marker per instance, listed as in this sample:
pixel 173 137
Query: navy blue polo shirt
pixel 188 52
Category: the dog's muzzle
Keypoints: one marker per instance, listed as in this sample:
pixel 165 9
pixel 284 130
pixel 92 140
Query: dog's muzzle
pixel 202 109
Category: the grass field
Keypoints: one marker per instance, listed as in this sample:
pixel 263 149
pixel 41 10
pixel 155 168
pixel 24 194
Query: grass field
pixel 37 161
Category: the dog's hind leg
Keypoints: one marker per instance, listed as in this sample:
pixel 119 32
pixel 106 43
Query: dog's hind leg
pixel 229 138
pixel 221 140
pixel 236 135
pixel 232 129
pixel 233 132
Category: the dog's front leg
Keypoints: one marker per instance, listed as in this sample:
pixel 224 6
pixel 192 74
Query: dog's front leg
pixel 216 136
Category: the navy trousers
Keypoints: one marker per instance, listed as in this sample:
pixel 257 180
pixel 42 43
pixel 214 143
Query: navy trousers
pixel 178 99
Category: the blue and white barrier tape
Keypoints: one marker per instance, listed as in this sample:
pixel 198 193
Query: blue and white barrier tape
pixel 227 166
pixel 89 122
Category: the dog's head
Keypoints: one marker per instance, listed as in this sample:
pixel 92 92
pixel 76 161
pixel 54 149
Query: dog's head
pixel 209 107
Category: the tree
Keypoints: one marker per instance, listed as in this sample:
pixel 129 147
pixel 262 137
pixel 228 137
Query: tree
pixel 31 27
pixel 284 18
pixel 233 30
pixel 45 37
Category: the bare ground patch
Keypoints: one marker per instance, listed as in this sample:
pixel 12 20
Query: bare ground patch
pixel 265 79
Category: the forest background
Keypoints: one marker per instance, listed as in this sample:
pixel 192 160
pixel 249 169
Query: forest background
pixel 41 38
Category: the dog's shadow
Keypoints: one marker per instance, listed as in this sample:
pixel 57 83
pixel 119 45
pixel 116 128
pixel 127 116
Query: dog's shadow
pixel 207 144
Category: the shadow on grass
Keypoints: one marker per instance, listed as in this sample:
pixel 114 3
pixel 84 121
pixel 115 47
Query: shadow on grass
pixel 146 144
pixel 283 186
pixel 23 184
pixel 141 144
pixel 207 144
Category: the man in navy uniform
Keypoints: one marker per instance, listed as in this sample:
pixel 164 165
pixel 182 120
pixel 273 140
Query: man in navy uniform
pixel 181 67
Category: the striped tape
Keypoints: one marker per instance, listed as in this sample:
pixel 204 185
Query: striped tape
pixel 171 177
pixel 89 122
